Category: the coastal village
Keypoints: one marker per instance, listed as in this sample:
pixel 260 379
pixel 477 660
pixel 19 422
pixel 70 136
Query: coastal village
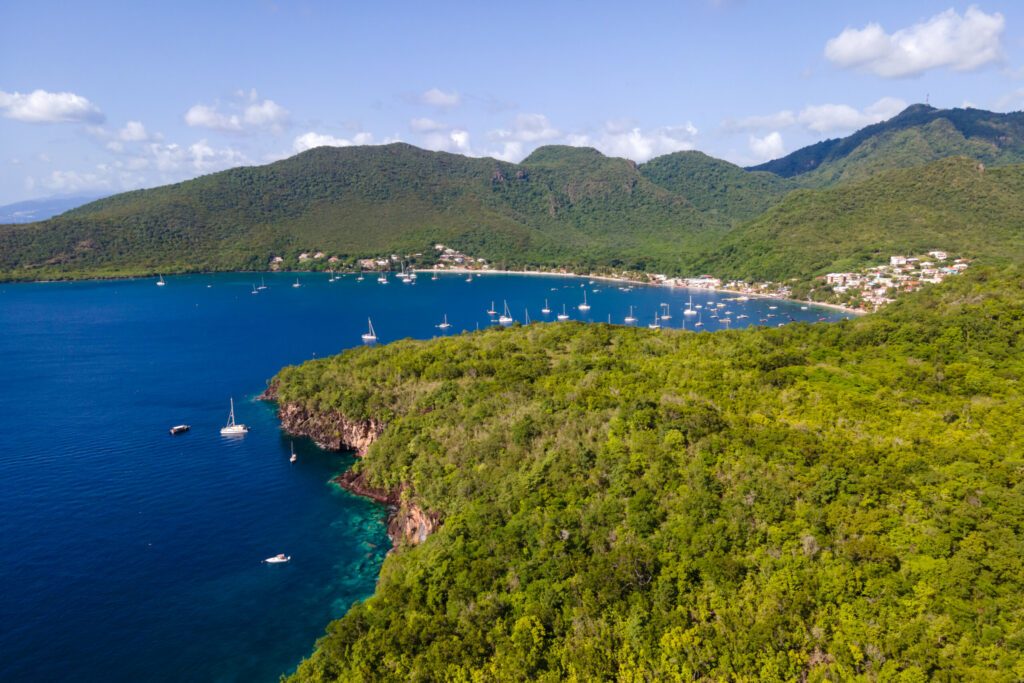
pixel 866 289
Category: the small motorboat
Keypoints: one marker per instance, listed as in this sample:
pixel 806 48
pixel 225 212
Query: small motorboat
pixel 179 429
pixel 278 559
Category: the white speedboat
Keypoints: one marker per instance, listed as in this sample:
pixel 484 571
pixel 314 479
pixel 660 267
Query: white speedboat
pixel 278 559
pixel 369 336
pixel 232 428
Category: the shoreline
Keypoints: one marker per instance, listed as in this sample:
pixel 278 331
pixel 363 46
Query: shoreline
pixel 611 278
pixel 475 271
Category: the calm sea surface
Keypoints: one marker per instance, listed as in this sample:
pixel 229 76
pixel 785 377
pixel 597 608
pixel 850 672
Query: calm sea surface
pixel 129 554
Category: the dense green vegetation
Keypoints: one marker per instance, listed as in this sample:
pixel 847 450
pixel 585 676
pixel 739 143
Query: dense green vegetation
pixel 949 204
pixel 814 502
pixel 917 135
pixel 561 206
pixel 716 186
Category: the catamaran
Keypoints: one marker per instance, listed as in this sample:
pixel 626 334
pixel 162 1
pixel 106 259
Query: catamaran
pixel 506 316
pixel 160 282
pixel 546 310
pixel 584 306
pixel 689 308
pixel 563 315
pixel 232 428
pixel 369 336
pixel 630 319
pixel 445 324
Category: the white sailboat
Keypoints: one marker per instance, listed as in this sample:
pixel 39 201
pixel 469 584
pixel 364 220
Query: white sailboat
pixel 689 308
pixel 546 310
pixel 360 278
pixel 700 321
pixel 382 278
pixel 369 336
pixel 666 314
pixel 469 278
pixel 506 316
pixel 563 315
pixel 296 283
pixel 584 306
pixel 294 457
pixel 491 311
pixel 254 290
pixel 445 324
pixel 263 284
pixel 433 277
pixel 655 325
pixel 160 282
pixel 630 319
pixel 232 428
pixel 527 311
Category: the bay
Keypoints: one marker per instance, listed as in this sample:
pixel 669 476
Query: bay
pixel 133 555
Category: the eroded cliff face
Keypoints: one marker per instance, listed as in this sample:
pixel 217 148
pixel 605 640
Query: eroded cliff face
pixel 331 431
pixel 408 524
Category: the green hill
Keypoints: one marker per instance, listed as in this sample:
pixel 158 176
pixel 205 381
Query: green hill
pixel 917 135
pixel 561 206
pixel 813 502
pixel 715 186
pixel 949 204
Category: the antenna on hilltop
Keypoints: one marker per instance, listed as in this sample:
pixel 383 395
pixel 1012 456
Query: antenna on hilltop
pixel 926 95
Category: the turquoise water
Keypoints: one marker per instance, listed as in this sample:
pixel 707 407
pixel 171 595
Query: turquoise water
pixel 133 555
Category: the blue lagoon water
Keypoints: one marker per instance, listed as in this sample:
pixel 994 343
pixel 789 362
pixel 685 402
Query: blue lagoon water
pixel 129 554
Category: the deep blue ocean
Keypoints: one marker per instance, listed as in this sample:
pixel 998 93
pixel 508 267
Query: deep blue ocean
pixel 132 555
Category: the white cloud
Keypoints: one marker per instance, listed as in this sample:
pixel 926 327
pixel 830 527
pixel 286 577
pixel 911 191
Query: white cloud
pixel 768 147
pixel 266 115
pixel 820 118
pixel 947 39
pixel 133 131
pixel 639 144
pixel 313 139
pixel 74 181
pixel 528 128
pixel 827 118
pixel 41 106
pixel 436 97
pixel 456 140
pixel 203 116
pixel 424 125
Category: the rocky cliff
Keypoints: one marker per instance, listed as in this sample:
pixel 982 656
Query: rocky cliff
pixel 408 523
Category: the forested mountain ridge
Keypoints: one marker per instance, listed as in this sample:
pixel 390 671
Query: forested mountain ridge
pixel 813 502
pixel 917 135
pixel 952 204
pixel 561 206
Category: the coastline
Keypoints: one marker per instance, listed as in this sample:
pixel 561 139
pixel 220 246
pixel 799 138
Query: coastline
pixel 475 271
pixel 632 282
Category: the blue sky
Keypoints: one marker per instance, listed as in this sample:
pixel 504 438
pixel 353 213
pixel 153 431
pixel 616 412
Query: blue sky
pixel 102 97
